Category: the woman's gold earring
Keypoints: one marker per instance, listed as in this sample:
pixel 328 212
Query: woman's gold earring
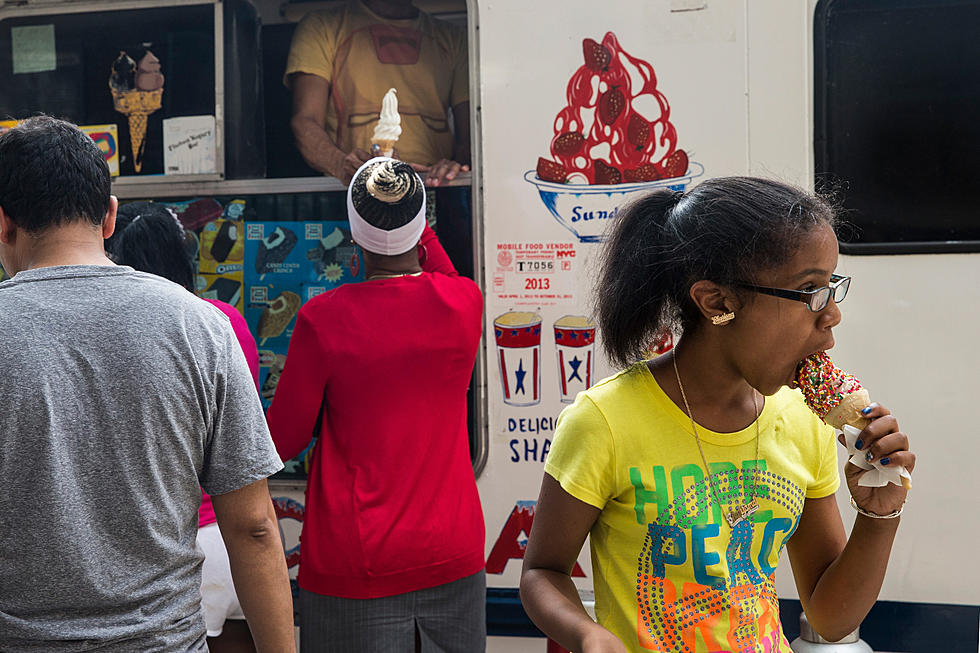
pixel 724 318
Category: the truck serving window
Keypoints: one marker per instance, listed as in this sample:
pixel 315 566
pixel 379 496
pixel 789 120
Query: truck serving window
pixel 896 86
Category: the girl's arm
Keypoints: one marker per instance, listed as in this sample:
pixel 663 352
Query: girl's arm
pixel 561 523
pixel 839 577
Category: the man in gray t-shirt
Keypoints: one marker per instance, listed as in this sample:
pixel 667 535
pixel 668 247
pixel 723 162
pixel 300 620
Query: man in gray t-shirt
pixel 123 396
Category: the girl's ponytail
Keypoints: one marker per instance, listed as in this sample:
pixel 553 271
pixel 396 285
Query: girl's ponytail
pixel 632 293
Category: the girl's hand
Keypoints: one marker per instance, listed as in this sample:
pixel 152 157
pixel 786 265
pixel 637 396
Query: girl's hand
pixel 886 445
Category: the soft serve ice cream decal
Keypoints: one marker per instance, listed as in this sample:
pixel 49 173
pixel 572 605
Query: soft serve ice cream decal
pixel 612 141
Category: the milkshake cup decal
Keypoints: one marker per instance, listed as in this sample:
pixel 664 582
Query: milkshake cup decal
pixel 518 336
pixel 575 345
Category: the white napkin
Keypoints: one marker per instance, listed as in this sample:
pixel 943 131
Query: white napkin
pixel 877 475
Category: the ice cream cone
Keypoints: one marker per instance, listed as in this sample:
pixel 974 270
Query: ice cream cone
pixel 137 134
pixel 137 106
pixel 848 411
pixel 835 396
pixel 389 126
pixel 385 147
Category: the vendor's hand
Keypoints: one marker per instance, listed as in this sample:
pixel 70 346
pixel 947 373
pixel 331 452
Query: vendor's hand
pixel 376 151
pixel 440 172
pixel 351 163
pixel 887 446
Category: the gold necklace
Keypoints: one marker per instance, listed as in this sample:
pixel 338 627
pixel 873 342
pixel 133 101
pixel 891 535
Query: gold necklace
pixel 393 276
pixel 739 512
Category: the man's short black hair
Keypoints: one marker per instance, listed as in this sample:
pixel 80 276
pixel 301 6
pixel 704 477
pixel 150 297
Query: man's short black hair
pixel 51 174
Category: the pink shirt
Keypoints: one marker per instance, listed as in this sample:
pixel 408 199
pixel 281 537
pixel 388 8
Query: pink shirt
pixel 205 513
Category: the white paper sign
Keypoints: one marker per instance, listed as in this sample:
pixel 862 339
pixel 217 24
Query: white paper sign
pixel 189 145
pixel 33 48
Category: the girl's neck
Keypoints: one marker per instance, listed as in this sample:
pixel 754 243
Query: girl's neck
pixel 720 398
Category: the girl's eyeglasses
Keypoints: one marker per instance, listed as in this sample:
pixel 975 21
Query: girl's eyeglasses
pixel 816 300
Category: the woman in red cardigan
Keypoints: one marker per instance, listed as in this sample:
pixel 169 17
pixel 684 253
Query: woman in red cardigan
pixel 393 536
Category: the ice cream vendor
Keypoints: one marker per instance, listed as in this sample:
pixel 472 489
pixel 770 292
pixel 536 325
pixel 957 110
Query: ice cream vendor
pixel 342 62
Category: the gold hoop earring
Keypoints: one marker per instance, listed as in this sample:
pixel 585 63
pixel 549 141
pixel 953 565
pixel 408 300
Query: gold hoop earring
pixel 724 318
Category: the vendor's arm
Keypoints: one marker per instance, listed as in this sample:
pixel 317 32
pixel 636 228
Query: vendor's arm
pixel 299 395
pixel 561 523
pixel 445 170
pixel 250 530
pixel 311 95
pixel 838 577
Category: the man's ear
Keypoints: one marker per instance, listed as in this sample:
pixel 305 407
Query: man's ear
pixel 8 229
pixel 712 299
pixel 109 222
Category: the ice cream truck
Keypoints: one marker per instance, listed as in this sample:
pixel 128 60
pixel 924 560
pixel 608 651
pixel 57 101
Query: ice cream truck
pixel 576 109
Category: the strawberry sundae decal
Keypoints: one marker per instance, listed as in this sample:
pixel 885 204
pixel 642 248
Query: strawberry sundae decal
pixel 613 140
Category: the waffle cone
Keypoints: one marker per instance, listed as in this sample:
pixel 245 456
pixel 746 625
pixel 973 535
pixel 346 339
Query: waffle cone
pixel 136 106
pixel 387 146
pixel 137 134
pixel 848 411
pixel 127 102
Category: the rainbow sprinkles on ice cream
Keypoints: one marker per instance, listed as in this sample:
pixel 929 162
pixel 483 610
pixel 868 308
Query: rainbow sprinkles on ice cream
pixel 834 395
pixel 838 398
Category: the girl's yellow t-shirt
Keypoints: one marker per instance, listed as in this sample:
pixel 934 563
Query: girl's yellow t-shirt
pixel 669 573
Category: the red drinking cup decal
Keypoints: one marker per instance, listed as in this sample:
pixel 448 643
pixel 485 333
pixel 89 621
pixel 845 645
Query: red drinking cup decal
pixel 518 336
pixel 575 345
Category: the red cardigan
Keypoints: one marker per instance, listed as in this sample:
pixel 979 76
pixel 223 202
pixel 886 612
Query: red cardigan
pixel 391 501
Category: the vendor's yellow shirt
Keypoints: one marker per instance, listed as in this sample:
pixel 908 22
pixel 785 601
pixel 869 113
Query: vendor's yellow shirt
pixel 670 574
pixel 362 55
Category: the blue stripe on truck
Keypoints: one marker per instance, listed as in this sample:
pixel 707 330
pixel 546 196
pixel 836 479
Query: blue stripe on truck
pixel 890 626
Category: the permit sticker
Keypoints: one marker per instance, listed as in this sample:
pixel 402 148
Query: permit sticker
pixel 32 49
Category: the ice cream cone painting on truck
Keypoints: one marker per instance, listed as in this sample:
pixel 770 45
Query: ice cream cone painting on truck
pixel 612 143
pixel 137 91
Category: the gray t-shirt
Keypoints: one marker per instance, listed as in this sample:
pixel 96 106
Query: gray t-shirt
pixel 123 395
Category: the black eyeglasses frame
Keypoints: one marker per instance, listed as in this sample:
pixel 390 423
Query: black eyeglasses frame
pixel 837 281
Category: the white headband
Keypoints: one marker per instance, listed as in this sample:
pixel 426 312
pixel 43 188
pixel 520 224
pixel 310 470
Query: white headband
pixel 381 241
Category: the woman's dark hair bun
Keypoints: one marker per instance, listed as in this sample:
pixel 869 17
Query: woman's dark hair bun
pixel 388 194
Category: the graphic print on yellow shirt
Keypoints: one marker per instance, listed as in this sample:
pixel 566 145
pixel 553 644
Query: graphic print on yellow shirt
pixel 669 573
pixel 362 55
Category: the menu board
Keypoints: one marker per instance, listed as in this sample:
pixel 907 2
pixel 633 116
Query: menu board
pixel 268 270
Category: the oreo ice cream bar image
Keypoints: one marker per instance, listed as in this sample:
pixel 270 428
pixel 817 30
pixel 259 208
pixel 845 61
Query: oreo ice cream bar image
pixel 274 249
pixel 224 289
pixel 329 249
pixel 223 242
